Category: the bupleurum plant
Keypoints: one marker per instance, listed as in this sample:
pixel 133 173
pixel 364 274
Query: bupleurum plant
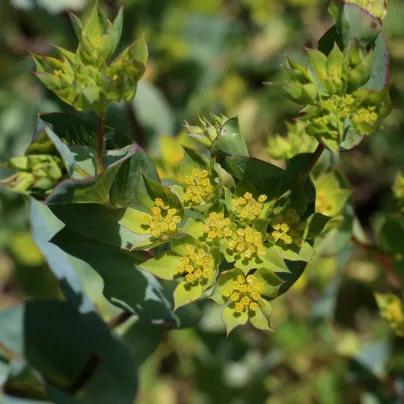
pixel 225 225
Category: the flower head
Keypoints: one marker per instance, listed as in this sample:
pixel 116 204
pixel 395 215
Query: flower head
pixel 245 293
pixel 287 229
pixel 247 242
pixel 200 189
pixel 216 227
pixel 196 265
pixel 164 220
pixel 247 208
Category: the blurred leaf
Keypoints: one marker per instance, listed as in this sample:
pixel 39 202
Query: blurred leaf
pixel 44 226
pixel 73 351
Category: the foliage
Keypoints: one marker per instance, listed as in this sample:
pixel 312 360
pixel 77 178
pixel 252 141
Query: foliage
pixel 204 230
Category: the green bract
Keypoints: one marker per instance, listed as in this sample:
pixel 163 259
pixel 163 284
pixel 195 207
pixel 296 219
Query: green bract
pixel 339 109
pixel 246 297
pixel 90 78
pixel 295 141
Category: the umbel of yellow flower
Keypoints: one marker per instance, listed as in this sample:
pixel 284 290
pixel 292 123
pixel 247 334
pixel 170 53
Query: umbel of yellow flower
pixel 199 190
pixel 217 227
pixel 288 229
pixel 246 242
pixel 391 308
pixel 245 293
pixel 247 207
pixel 164 220
pixel 196 265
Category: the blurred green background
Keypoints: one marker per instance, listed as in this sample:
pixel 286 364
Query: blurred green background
pixel 330 344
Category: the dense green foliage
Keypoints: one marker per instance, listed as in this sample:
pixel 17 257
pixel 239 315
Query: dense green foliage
pixel 149 246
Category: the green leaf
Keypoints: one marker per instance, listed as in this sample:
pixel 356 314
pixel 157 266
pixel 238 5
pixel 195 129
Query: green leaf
pixel 128 178
pixel 229 141
pixel 152 109
pixel 45 141
pixel 63 345
pixel 96 222
pixel 81 129
pixel 164 265
pixel 89 190
pixel 126 285
pixel 271 281
pixel 328 40
pixel 391 234
pixel 380 74
pixel 315 225
pixel 148 191
pixel 296 92
pixel 224 284
pixel 353 21
pixel 262 318
pixel 319 62
pixel 232 319
pixel 295 253
pixel 266 178
pixel 193 159
pixel 185 294
pixel 193 228
pixel 296 269
pixel 143 339
pixel 44 225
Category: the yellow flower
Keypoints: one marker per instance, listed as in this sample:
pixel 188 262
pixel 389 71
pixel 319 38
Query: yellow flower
pixel 217 227
pixel 365 115
pixel 288 228
pixel 245 293
pixel 164 220
pixel 196 263
pixel 391 308
pixel 247 242
pixel 247 207
pixel 199 190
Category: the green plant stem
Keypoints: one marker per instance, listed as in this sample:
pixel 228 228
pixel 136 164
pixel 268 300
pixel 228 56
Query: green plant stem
pixel 315 157
pixel 100 145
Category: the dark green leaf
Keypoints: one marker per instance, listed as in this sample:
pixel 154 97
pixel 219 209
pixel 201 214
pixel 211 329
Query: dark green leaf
pixel 72 351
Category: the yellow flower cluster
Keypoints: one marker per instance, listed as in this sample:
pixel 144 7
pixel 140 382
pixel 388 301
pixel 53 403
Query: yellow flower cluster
pixel 392 311
pixel 247 207
pixel 247 242
pixel 196 264
pixel 288 228
pixel 245 293
pixel 342 106
pixel 199 190
pixel 367 115
pixel 217 226
pixel 164 219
